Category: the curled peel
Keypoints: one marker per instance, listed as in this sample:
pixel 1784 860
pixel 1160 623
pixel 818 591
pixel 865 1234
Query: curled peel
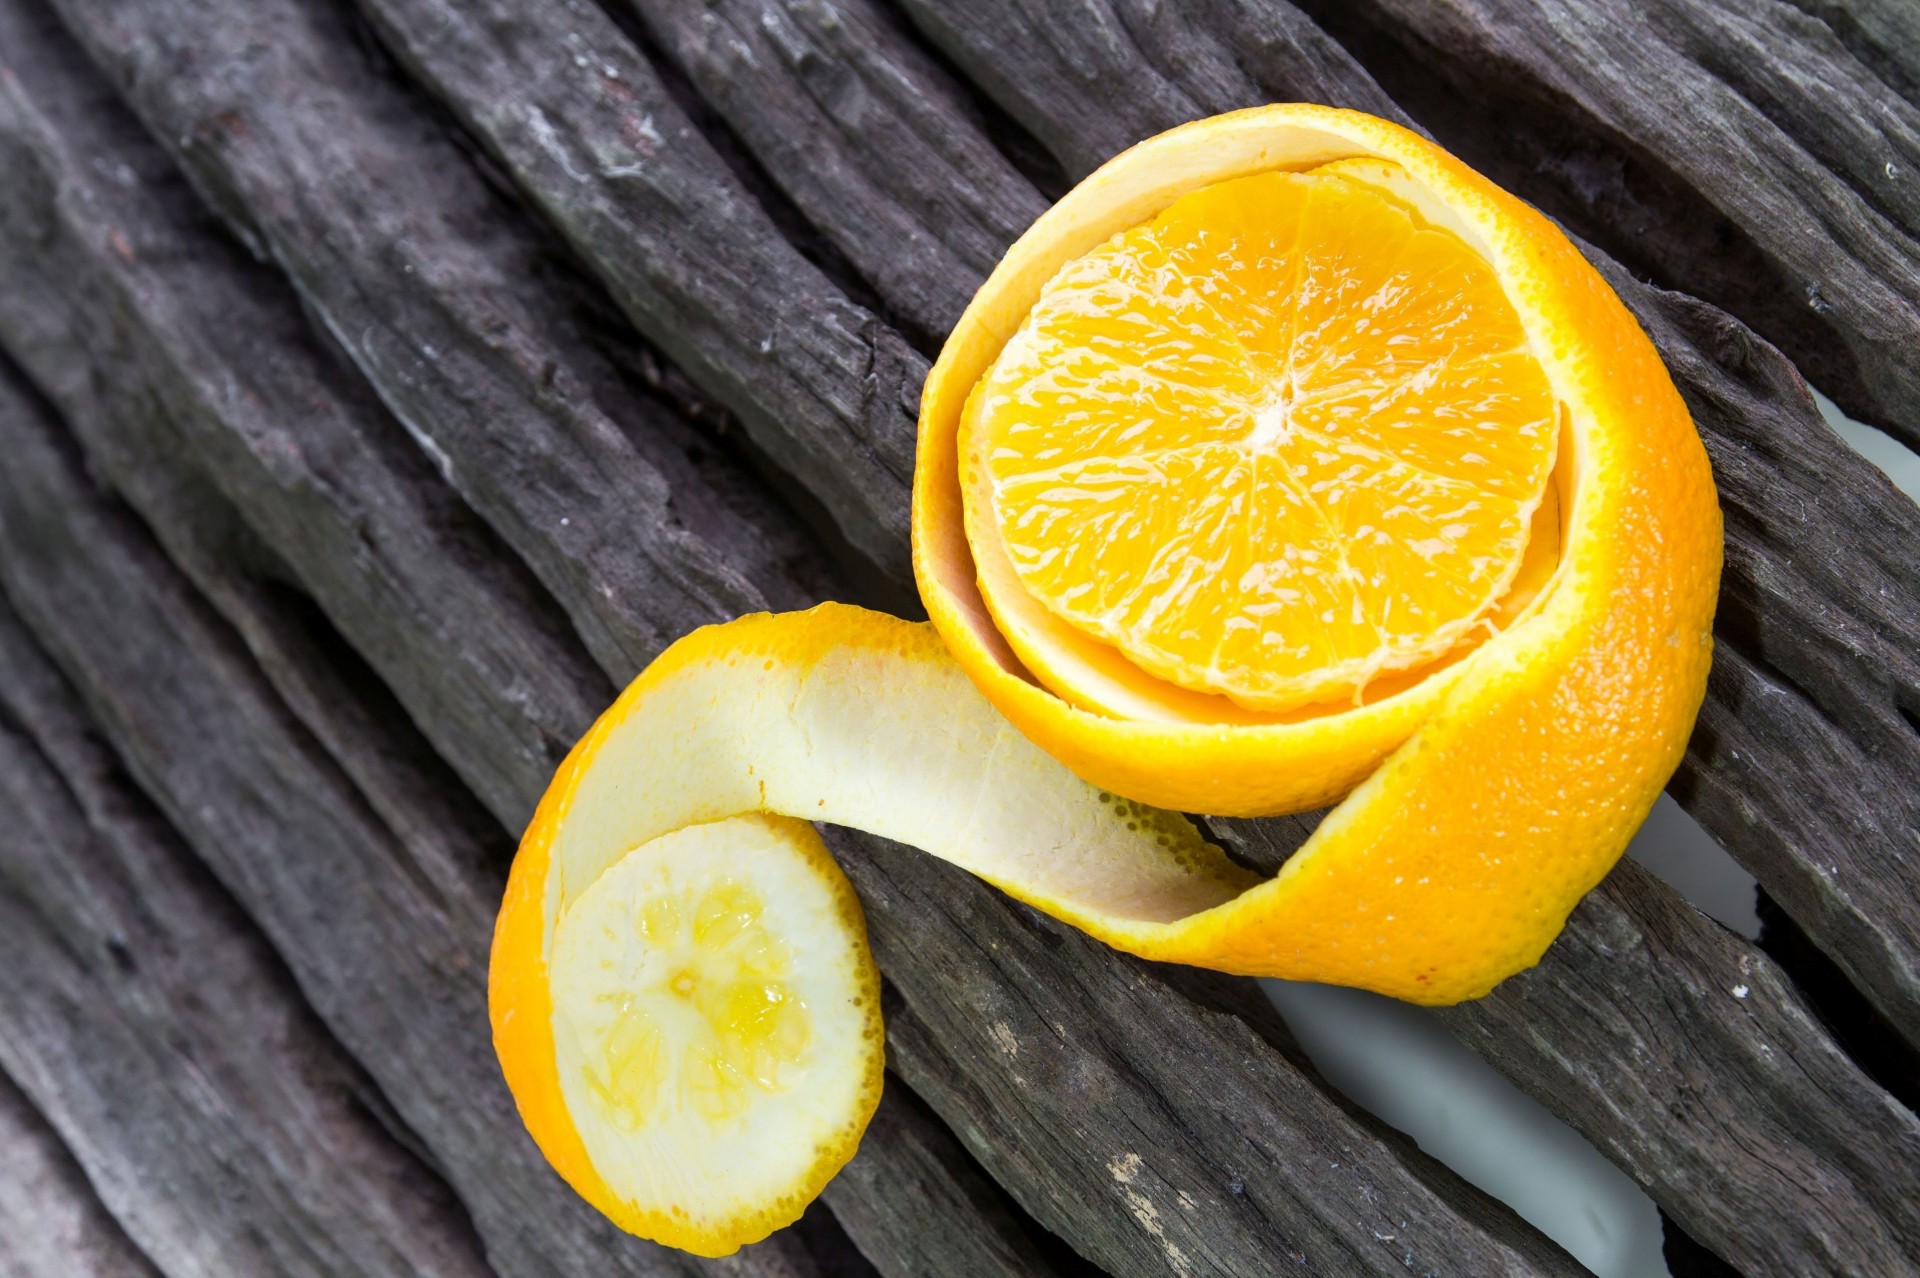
pixel 1474 806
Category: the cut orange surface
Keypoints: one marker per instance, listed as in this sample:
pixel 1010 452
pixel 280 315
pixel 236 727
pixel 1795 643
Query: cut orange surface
pixel 1283 438
pixel 692 1030
pixel 1631 580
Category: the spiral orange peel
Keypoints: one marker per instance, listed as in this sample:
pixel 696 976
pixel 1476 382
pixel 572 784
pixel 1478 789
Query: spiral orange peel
pixel 1477 798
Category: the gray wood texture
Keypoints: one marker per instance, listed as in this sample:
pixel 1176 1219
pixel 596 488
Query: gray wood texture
pixel 803 198
pixel 917 1206
pixel 1496 1241
pixel 126 302
pixel 1162 1134
pixel 155 1030
pixel 335 866
pixel 1768 443
pixel 442 292
pixel 1507 1237
pixel 1883 34
pixel 50 1220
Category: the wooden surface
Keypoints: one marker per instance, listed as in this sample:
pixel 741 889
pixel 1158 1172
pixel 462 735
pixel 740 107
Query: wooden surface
pixel 381 387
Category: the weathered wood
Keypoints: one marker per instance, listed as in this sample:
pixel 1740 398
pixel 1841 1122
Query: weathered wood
pixel 113 345
pixel 174 356
pixel 1817 673
pixel 1703 1088
pixel 71 568
pixel 446 338
pixel 901 1196
pixel 1845 619
pixel 1089 78
pixel 437 288
pixel 586 129
pixel 472 57
pixel 1744 396
pixel 1731 148
pixel 832 124
pixel 50 1220
pixel 1883 34
pixel 1224 1154
pixel 387 936
pixel 156 1031
pixel 1364 98
pixel 1123 1221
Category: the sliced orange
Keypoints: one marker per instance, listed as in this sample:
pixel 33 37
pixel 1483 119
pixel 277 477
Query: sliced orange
pixel 690 1023
pixel 1635 569
pixel 1281 439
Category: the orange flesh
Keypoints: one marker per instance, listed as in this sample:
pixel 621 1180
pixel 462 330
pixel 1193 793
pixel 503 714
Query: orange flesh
pixel 1280 441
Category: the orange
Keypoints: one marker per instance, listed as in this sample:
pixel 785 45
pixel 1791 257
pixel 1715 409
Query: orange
pixel 1279 440
pixel 1634 573
pixel 690 1027
pixel 680 982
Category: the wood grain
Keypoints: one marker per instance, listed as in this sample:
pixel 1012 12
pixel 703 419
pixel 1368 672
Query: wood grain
pixel 1163 1135
pixel 50 1220
pixel 439 290
pixel 160 1036
pixel 385 930
pixel 1789 485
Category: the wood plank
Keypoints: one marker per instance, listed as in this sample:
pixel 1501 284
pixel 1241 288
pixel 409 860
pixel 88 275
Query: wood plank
pixel 1733 148
pixel 910 1184
pixel 179 360
pixel 831 123
pixel 1883 34
pixel 50 1220
pixel 157 1032
pixel 439 290
pixel 385 931
pixel 382 246
pixel 1839 625
pixel 1123 1220
pixel 1708 1091
pixel 1224 1152
pixel 196 736
pixel 595 142
pixel 1111 72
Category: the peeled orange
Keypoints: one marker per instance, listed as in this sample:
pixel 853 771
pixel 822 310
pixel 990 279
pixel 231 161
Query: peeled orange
pixel 1285 462
pixel 1279 440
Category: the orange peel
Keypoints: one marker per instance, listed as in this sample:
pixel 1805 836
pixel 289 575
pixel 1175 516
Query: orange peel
pixel 1476 800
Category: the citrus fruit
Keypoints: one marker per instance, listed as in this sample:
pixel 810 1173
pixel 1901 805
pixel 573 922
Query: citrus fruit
pixel 1280 439
pixel 692 1032
pixel 1470 604
pixel 1123 667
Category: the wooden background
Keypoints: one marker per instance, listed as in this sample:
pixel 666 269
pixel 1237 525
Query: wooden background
pixel 384 384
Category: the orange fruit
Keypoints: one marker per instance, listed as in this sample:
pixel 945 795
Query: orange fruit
pixel 1622 553
pixel 681 994
pixel 689 1024
pixel 1278 440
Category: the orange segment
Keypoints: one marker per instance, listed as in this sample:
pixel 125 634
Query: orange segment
pixel 1280 439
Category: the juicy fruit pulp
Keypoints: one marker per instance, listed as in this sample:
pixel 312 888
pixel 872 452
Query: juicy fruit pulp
pixel 714 1027
pixel 682 1001
pixel 1282 439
